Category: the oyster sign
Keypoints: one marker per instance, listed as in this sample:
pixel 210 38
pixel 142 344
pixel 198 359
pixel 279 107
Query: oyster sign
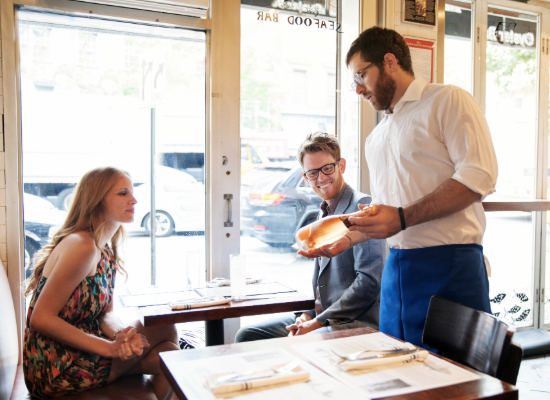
pixel 498 34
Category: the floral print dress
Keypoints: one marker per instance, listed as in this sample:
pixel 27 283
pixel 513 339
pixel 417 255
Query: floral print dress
pixel 54 369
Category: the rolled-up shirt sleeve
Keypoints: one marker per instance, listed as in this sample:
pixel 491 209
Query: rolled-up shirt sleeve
pixel 466 134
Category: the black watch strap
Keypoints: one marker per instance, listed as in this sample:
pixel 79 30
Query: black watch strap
pixel 402 218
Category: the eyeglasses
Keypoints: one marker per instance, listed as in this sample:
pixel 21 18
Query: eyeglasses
pixel 327 169
pixel 358 78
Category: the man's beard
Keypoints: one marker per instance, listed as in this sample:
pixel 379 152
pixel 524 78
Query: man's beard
pixel 384 91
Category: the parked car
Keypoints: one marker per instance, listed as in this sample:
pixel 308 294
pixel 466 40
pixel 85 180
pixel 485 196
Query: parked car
pixel 251 158
pixel 179 203
pixel 41 219
pixel 277 203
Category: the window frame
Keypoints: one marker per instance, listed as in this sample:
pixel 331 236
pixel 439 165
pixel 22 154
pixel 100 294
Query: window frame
pixel 12 118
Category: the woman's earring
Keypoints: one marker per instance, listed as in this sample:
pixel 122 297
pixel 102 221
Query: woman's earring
pixel 391 69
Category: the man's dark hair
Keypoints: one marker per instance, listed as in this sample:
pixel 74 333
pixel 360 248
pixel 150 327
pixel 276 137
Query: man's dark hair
pixel 374 43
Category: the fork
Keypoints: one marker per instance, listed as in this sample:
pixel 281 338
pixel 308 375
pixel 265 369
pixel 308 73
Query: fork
pixel 355 356
pixel 257 374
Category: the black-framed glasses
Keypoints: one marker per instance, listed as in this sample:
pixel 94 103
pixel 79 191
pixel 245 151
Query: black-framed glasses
pixel 358 78
pixel 326 169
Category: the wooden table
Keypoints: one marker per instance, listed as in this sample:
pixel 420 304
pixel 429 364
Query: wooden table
pixel 214 316
pixel 171 362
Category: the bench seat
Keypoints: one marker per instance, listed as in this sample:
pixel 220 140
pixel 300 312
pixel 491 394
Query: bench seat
pixel 12 383
pixel 127 388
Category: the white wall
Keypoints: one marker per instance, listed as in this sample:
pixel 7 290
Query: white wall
pixel 3 235
pixel 414 30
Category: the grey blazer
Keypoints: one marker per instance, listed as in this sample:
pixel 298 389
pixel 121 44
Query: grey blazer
pixel 349 284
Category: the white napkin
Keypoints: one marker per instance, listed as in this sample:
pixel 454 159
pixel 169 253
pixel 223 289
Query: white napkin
pixel 292 377
pixel 360 364
pixel 216 282
pixel 198 303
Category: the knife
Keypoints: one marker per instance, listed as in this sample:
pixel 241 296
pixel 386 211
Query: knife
pixel 390 354
pixel 258 374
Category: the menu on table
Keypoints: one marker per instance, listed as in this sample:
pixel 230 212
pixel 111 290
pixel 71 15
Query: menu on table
pixel 382 380
pixel 155 299
pixel 250 290
pixel 200 374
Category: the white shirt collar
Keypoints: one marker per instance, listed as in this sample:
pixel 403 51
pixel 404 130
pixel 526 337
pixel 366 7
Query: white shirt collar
pixel 413 93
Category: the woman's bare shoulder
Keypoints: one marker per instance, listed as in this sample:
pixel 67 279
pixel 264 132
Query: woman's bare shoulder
pixel 75 254
pixel 80 245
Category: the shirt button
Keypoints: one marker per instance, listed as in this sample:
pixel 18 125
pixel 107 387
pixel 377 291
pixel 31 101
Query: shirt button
pixel 391 166
pixel 393 193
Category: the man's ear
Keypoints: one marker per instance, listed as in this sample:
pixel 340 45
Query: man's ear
pixel 342 164
pixel 391 61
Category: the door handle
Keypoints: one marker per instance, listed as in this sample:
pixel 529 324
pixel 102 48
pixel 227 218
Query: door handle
pixel 229 222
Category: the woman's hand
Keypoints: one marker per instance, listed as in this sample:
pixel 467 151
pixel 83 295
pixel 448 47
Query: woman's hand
pixel 128 343
pixel 138 343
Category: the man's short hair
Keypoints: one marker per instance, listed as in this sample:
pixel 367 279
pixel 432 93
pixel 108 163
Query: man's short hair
pixel 374 43
pixel 316 142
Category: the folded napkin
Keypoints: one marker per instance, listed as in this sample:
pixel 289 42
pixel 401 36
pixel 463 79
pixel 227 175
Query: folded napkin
pixel 216 282
pixel 374 362
pixel 198 303
pixel 292 377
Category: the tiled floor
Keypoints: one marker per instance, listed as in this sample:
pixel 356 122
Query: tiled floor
pixel 534 378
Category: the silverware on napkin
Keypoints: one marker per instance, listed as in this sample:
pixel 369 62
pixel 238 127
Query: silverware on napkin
pixel 201 300
pixel 381 354
pixel 258 374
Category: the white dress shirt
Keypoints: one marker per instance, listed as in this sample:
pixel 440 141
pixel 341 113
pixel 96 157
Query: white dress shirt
pixel 436 132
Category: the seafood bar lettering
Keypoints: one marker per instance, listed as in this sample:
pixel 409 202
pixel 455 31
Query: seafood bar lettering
pixel 301 21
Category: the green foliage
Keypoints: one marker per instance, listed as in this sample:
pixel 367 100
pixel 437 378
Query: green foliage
pixel 512 68
pixel 260 103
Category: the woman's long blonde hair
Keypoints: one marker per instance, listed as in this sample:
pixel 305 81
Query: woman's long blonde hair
pixel 86 215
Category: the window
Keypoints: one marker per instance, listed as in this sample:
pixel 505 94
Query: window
pixel 459 48
pixel 289 89
pixel 105 85
pixel 299 88
pixel 510 95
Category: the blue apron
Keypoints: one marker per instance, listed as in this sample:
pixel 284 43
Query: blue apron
pixel 412 276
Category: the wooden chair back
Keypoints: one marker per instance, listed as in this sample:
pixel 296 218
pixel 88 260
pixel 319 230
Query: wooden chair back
pixel 473 338
pixel 9 346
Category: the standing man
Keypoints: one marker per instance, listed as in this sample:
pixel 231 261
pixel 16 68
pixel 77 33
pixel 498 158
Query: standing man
pixel 431 162
pixel 346 287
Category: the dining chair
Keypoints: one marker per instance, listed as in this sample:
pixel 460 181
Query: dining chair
pixel 473 338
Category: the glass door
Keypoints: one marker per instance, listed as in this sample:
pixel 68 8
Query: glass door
pixel 459 44
pixel 288 88
pixel 512 110
pixel 98 92
pixel 293 82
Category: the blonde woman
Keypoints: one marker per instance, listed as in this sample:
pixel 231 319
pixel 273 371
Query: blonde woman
pixel 73 340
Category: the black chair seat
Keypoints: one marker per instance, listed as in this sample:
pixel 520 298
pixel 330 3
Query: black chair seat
pixel 535 342
pixel 473 338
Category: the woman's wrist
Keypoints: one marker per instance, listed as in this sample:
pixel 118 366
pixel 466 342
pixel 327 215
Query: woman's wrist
pixel 109 349
pixel 116 334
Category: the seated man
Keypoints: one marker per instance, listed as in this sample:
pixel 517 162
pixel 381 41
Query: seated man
pixel 346 287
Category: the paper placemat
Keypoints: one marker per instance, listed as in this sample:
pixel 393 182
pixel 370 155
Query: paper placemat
pixel 155 299
pixel 319 386
pixel 401 377
pixel 250 290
